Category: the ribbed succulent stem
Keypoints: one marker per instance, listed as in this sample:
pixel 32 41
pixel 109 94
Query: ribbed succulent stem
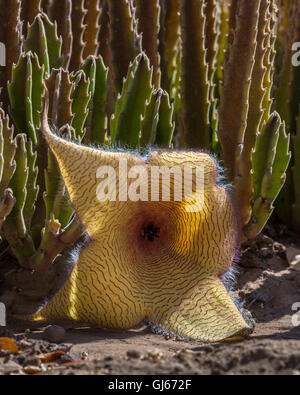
pixel 269 60
pixel 8 151
pixel 60 88
pixel 53 242
pixel 125 43
pixel 148 16
pixel 288 93
pixel 232 20
pixel 222 45
pixel 7 167
pixel 7 203
pixel 104 33
pixel 125 124
pixel 295 178
pixel 106 54
pixel 43 41
pixel 29 10
pixel 169 34
pixel 55 196
pixel 31 185
pixel 91 33
pixel 25 93
pixel 270 161
pixel 45 5
pixel 165 126
pixel 78 29
pixel 237 77
pixel 150 119
pixel 60 11
pixel 284 20
pixel 212 14
pixel 258 89
pixel 97 73
pixel 10 36
pixel 14 227
pixel 80 97
pixel 195 83
pixel 287 104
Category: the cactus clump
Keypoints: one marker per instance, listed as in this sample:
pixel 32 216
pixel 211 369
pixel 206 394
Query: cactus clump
pixel 128 74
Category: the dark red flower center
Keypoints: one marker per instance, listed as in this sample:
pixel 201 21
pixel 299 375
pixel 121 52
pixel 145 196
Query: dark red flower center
pixel 150 232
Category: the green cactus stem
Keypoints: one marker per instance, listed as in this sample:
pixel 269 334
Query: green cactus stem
pixel 7 153
pixel 97 74
pixel 31 186
pixel 7 203
pixel 125 124
pixel 125 43
pixel 150 119
pixel 42 40
pixel 270 160
pixel 7 167
pixel 60 12
pixel 80 97
pixel 212 14
pixel 295 175
pixel 18 185
pixel 258 90
pixel 25 93
pixel 165 126
pixel 287 104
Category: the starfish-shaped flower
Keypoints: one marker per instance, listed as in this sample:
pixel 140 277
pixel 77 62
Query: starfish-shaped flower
pixel 150 260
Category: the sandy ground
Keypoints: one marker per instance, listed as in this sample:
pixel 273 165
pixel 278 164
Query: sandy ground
pixel 266 284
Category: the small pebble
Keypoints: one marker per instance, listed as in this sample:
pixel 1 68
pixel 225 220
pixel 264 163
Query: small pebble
pixel 84 355
pixel 10 367
pixel 32 361
pixel 33 369
pixel 177 368
pixel 293 257
pixel 54 333
pixel 20 359
pixel 133 354
pixel 66 358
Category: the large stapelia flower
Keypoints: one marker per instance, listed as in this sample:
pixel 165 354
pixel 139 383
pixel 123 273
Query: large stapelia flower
pixel 150 260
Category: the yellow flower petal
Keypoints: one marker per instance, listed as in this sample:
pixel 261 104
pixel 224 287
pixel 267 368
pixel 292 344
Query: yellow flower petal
pixel 103 289
pixel 203 311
